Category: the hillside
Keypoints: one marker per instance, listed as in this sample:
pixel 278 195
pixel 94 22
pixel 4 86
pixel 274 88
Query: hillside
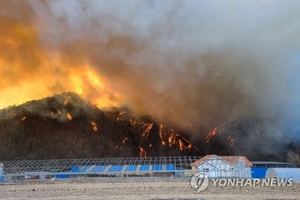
pixel 66 126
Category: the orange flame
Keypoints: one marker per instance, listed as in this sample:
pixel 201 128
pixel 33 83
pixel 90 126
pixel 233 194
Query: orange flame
pixel 143 153
pixel 67 100
pixel 95 127
pixel 148 128
pixel 172 138
pixel 212 133
pixel 120 114
pixel 181 145
pixel 161 133
pixel 189 144
pixel 133 121
pixel 69 116
pixel 24 58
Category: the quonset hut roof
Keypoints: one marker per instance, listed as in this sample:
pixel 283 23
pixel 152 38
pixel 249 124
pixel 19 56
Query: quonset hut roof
pixel 273 164
pixel 281 173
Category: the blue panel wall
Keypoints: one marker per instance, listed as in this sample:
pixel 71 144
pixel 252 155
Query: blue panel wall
pixel 100 168
pixel 170 167
pixel 258 172
pixel 58 176
pixel 144 168
pixel 115 168
pixel 1 177
pixel 85 168
pixel 75 169
pixel 131 168
pixel 156 167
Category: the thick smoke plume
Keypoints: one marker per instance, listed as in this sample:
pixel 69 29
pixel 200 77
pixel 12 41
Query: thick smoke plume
pixel 183 62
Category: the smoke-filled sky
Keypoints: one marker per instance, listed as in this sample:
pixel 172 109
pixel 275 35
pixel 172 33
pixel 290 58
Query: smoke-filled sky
pixel 187 62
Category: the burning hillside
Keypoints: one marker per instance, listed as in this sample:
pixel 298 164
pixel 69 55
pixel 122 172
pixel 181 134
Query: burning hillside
pixel 66 126
pixel 218 75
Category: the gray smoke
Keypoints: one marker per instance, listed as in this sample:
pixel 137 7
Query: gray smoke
pixel 184 62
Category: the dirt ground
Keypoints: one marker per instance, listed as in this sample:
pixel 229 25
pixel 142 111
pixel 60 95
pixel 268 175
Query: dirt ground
pixel 139 190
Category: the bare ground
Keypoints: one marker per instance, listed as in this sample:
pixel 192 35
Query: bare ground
pixel 139 190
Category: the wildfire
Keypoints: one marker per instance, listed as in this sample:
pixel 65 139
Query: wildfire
pixel 212 133
pixel 143 153
pixel 120 114
pixel 30 64
pixel 147 130
pixel 67 100
pixel 133 121
pixel 69 116
pixel 161 132
pixel 95 127
pixel 172 138
pixel 187 144
pixel 181 145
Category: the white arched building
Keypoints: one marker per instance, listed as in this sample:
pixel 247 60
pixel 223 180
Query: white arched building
pixel 224 166
pixel 284 173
